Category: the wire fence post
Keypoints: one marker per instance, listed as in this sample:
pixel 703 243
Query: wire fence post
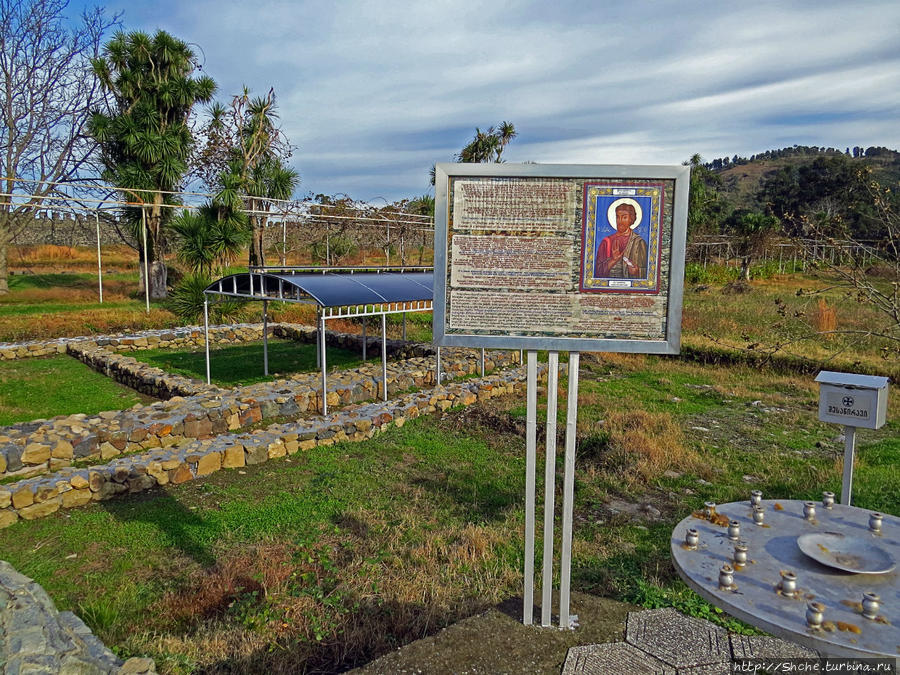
pixel 146 258
pixel 99 265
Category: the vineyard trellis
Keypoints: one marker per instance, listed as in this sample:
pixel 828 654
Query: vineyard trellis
pixel 64 213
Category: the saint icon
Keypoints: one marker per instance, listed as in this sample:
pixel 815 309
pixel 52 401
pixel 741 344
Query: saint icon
pixel 623 254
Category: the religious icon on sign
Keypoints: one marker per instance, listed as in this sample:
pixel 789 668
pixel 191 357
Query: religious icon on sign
pixel 626 259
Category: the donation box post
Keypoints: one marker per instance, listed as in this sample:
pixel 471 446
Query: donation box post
pixel 856 401
pixel 563 258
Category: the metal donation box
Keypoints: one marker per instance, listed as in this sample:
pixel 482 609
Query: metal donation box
pixel 852 400
pixel 856 401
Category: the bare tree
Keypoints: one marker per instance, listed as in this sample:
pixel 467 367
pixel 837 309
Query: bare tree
pixel 48 92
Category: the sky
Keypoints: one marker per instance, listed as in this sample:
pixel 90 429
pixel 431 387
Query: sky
pixel 373 93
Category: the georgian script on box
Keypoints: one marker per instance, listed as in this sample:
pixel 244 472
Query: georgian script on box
pixel 543 263
pixel 533 205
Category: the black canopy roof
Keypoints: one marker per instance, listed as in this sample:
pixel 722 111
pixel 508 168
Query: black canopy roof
pixel 330 289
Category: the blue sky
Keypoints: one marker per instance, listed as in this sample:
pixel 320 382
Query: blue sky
pixel 372 93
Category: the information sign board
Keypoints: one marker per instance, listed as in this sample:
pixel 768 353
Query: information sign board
pixel 560 257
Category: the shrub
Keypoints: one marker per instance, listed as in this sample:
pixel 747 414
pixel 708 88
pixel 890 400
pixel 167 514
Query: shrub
pixel 187 302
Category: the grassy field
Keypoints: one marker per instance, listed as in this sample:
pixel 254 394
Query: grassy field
pixel 323 560
pixel 237 365
pixel 58 385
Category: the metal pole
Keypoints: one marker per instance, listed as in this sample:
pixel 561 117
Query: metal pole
pixel 324 374
pixel 384 355
pixel 849 450
pixel 206 333
pixel 530 462
pixel 549 486
pixel 99 265
pixel 437 372
pixel 568 493
pixel 364 338
pixel 146 259
pixel 404 326
pixel 284 243
pixel 266 338
pixel 482 361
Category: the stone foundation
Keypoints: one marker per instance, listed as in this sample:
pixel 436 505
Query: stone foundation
pixel 69 487
pixel 195 410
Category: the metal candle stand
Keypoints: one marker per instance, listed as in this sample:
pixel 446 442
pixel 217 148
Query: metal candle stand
pixel 820 604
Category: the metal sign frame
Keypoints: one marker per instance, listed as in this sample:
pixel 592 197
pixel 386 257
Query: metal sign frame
pixel 675 286
pixel 590 177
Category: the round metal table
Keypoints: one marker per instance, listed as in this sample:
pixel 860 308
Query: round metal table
pixel 755 596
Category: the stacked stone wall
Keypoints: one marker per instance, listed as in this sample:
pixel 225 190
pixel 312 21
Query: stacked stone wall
pixel 199 411
pixel 193 336
pixel 68 487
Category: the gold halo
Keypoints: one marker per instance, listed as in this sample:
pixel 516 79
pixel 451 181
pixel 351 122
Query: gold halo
pixel 611 212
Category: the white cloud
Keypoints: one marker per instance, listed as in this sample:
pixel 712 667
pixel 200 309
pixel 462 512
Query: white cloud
pixel 374 92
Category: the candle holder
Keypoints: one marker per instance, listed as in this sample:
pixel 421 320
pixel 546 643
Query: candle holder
pixel 875 522
pixel 870 604
pixel 828 500
pixel 740 553
pixel 734 530
pixel 814 614
pixel 809 510
pixel 692 538
pixel 756 498
pixel 709 509
pixel 758 515
pixel 788 584
pixel 726 577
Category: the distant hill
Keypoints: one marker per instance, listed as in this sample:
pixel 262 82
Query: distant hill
pixel 742 177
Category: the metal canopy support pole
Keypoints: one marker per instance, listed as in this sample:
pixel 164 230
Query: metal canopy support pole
pixel 568 493
pixel 266 338
pixel 324 374
pixel 146 258
pixel 404 326
pixel 549 486
pixel 849 450
pixel 206 333
pixel 482 361
pixel 530 462
pixel 364 338
pixel 384 355
pixel 284 242
pixel 318 338
pixel 99 265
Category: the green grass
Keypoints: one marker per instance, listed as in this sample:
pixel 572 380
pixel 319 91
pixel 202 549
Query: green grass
pixel 243 364
pixel 422 525
pixel 58 385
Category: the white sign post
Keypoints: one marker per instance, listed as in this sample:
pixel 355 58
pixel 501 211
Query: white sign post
pixel 563 258
pixel 856 401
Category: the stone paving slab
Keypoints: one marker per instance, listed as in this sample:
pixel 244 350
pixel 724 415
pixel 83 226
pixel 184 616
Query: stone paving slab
pixel 613 658
pixel 767 647
pixel 679 640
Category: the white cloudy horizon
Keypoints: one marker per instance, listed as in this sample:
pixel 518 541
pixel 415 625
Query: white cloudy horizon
pixel 373 93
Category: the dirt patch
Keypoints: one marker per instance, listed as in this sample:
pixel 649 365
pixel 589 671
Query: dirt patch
pixel 498 642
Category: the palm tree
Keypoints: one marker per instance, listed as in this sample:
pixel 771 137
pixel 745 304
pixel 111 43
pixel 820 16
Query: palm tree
pixel 144 137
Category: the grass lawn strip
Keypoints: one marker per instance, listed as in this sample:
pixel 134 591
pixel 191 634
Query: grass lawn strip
pixel 58 385
pixel 237 365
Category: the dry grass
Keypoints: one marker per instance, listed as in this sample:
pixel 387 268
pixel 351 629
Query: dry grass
pixel 91 321
pixel 359 590
pixel 653 440
pixel 824 318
